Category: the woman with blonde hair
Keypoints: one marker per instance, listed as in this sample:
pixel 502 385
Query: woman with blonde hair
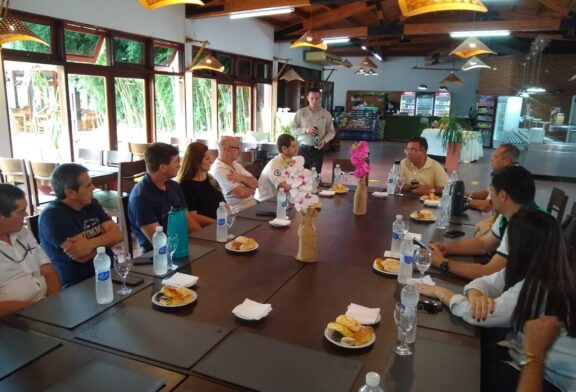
pixel 201 190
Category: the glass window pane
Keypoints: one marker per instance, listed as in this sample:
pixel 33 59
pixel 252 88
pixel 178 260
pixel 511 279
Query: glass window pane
pixel 202 104
pixel 169 103
pixel 130 111
pixel 261 70
pixel 41 30
pixel 128 51
pixel 243 108
pixel 244 68
pixel 88 112
pixel 225 123
pixel 226 61
pixel 82 47
pixel 263 120
pixel 37 111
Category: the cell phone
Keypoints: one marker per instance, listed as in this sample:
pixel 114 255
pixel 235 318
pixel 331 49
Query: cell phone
pixel 265 213
pixel 130 280
pixel 419 243
pixel 454 234
pixel 142 260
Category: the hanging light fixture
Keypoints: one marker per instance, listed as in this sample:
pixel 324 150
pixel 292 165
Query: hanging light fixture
pixel 311 39
pixel 442 88
pixel 291 75
pixel 208 62
pixel 471 46
pixel 572 78
pixel 417 7
pixel 452 78
pixel 12 29
pixel 473 63
pixel 422 87
pixel 367 63
pixel 153 4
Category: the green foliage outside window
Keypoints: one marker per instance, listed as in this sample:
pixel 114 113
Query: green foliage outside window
pixel 202 105
pixel 163 55
pixel 42 31
pixel 165 109
pixel 128 51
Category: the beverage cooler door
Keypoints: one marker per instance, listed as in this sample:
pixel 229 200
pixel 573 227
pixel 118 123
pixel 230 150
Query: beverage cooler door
pixel 408 102
pixel 424 104
pixel 442 103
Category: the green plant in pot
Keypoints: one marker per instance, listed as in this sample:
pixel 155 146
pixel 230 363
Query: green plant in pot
pixel 451 133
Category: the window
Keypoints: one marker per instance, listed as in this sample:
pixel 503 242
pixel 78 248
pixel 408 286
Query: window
pixel 130 111
pixel 243 109
pixel 85 45
pixel 44 31
pixel 169 101
pixel 225 102
pixel 128 51
pixel 202 106
pixel 166 57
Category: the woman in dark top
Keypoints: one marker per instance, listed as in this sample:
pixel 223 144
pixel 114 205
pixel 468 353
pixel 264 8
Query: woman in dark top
pixel 201 190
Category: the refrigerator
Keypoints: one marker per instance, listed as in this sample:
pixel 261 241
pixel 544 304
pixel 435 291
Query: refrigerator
pixel 485 118
pixel 408 102
pixel 442 101
pixel 507 120
pixel 424 104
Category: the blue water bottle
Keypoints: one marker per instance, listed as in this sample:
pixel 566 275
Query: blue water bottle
pixel 178 225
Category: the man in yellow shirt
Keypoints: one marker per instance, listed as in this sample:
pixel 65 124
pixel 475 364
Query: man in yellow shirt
pixel 422 174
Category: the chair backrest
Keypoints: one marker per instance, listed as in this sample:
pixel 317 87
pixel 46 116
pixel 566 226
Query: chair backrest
pixel 345 165
pixel 557 203
pixel 255 168
pixel 113 157
pixel 246 156
pixel 129 173
pixel 88 155
pixel 213 154
pixel 203 141
pixel 125 226
pixel 15 171
pixel 40 174
pixel 32 223
pixel 138 149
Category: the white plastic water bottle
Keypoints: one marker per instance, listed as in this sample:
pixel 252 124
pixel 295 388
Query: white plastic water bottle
pixel 281 204
pixel 453 177
pixel 160 259
pixel 337 174
pixel 372 383
pixel 391 182
pixel 406 260
pixel 104 293
pixel 222 223
pixel 398 229
pixel 409 297
pixel 314 179
pixel 444 209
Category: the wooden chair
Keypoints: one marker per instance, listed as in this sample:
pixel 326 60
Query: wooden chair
pixel 125 226
pixel 15 171
pixel 88 155
pixel 557 203
pixel 345 165
pixel 138 149
pixel 113 157
pixel 41 174
pixel 246 157
pixel 32 223
pixel 569 227
pixel 255 168
pixel 203 141
pixel 129 173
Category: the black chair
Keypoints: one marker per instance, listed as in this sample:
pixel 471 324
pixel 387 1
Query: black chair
pixel 113 157
pixel 557 203
pixel 32 223
pixel 569 227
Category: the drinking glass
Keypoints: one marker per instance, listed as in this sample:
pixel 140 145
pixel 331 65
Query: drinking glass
pixel 423 260
pixel 172 246
pixel 231 221
pixel 400 182
pixel 122 265
pixel 405 319
pixel 345 176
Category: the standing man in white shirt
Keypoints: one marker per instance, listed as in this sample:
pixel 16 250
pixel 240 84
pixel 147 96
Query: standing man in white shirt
pixel 314 128
pixel 272 177
pixel 237 184
pixel 26 274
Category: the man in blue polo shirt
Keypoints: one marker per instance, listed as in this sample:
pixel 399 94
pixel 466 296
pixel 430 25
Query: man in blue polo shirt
pixel 153 197
pixel 74 225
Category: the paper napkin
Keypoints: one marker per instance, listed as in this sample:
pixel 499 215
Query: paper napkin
pixel 427 280
pixel 252 310
pixel 181 280
pixel 363 314
pixel 380 194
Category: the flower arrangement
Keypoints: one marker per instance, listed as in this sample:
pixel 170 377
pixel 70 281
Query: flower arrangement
pixel 300 182
pixel 359 153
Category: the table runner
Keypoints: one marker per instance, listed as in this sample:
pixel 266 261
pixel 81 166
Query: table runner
pixel 208 233
pixel 143 264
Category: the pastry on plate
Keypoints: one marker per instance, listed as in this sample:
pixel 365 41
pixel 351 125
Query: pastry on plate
pixel 174 296
pixel 423 214
pixel 242 243
pixel 388 265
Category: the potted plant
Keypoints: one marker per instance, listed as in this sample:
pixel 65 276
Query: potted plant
pixel 452 136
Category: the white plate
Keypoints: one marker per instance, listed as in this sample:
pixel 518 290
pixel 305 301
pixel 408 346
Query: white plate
pixel 327 334
pixel 380 195
pixel 426 199
pixel 280 222
pixel 432 203
pixel 340 192
pixel 227 246
pixel 423 220
pixel 326 193
pixel 375 266
pixel 156 300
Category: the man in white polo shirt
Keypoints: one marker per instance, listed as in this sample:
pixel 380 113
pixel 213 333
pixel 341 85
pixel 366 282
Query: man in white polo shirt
pixel 272 177
pixel 26 274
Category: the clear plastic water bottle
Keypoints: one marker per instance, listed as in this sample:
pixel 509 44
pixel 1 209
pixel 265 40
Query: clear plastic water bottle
pixel 337 174
pixel 104 293
pixel 444 209
pixel 396 167
pixel 160 259
pixel 372 383
pixel 222 223
pixel 391 181
pixel 281 204
pixel 409 297
pixel 406 260
pixel 314 179
pixel 398 229
pixel 453 177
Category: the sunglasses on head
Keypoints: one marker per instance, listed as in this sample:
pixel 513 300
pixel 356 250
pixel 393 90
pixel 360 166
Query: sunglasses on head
pixel 430 306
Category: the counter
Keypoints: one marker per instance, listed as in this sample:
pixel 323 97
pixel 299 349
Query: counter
pixel 550 159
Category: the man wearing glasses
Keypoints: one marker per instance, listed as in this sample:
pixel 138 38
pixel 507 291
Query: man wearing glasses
pixel 26 274
pixel 422 174
pixel 237 184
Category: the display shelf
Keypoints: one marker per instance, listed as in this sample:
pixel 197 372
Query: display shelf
pixel 361 123
pixel 485 118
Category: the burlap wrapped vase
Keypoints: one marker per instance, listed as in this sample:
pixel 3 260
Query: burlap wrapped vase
pixel 360 198
pixel 307 251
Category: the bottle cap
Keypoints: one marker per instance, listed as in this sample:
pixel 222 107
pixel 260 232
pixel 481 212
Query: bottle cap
pixel 222 204
pixel 101 249
pixel 159 229
pixel 398 216
pixel 338 165
pixel 281 190
pixel 397 162
pixel 372 379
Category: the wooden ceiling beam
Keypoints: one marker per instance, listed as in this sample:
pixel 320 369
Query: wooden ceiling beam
pixel 542 24
pixel 338 14
pixel 352 32
pixel 559 6
pixel 239 5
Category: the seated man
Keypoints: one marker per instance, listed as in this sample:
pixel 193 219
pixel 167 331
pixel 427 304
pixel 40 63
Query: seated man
pixel 512 189
pixel 26 274
pixel 422 174
pixel 153 197
pixel 272 176
pixel 237 184
pixel 74 225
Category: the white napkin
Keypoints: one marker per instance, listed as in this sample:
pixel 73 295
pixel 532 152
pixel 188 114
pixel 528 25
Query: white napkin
pixel 380 194
pixel 391 254
pixel 414 236
pixel 180 280
pixel 363 314
pixel 427 280
pixel 327 193
pixel 280 222
pixel 252 310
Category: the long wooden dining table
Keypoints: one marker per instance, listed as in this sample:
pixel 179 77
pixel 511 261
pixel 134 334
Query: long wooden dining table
pixel 204 347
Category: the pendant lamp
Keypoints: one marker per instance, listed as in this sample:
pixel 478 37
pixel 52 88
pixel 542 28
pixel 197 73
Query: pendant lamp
pixel 417 7
pixel 291 75
pixel 12 29
pixel 153 4
pixel 311 39
pixel 471 46
pixel 452 78
pixel 208 62
pixel 473 63
pixel 572 78
pixel 367 63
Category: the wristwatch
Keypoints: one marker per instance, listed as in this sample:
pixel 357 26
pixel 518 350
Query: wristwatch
pixel 444 266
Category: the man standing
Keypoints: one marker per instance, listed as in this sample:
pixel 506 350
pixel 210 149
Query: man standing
pixel 74 225
pixel 26 274
pixel 152 198
pixel 237 184
pixel 422 174
pixel 512 189
pixel 314 128
pixel 272 177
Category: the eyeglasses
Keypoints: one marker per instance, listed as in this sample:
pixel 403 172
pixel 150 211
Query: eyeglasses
pixel 407 150
pixel 27 249
pixel 238 147
pixel 429 306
